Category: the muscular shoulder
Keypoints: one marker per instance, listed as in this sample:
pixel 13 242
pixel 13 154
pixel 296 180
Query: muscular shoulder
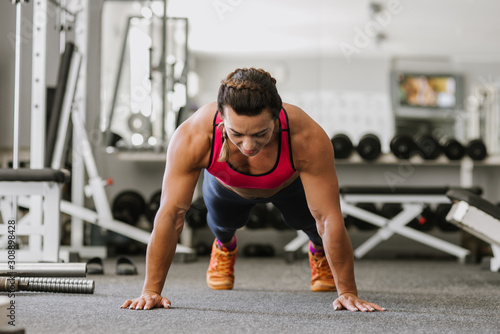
pixel 310 143
pixel 191 141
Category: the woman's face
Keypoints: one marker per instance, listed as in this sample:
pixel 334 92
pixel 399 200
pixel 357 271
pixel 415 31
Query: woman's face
pixel 249 133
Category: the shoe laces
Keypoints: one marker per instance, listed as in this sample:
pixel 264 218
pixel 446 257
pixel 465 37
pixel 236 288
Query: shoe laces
pixel 320 268
pixel 222 262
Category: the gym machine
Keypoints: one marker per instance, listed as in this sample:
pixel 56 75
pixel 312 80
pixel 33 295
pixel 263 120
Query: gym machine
pixel 480 218
pixel 41 224
pixel 40 182
pixel 150 86
pixel 102 216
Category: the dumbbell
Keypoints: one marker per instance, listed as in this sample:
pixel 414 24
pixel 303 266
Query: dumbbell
pixel 196 215
pixel 128 206
pixel 453 149
pixel 402 146
pixel 342 146
pixel 361 224
pixel 427 146
pixel 369 147
pixel 259 217
pixel 441 213
pixel 476 149
pixel 153 206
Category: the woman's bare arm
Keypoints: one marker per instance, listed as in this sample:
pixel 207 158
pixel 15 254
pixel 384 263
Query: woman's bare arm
pixel 314 159
pixel 186 156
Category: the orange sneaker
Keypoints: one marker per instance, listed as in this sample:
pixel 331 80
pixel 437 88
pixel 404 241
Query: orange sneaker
pixel 220 273
pixel 321 275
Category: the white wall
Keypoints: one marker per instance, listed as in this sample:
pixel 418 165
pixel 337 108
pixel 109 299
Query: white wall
pixel 352 98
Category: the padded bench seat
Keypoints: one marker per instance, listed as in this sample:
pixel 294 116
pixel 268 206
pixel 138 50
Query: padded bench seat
pixel 479 217
pixel 34 175
pixel 476 201
pixel 42 223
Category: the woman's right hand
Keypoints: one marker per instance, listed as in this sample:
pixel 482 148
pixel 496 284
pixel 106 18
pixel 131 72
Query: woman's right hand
pixel 147 301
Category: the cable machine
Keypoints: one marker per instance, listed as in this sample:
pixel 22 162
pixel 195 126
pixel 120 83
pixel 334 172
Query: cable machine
pixel 39 188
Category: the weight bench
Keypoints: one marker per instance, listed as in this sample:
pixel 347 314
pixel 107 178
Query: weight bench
pixel 43 233
pixel 478 217
pixel 413 200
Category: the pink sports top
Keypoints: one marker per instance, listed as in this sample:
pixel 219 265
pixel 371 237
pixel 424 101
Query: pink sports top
pixel 283 168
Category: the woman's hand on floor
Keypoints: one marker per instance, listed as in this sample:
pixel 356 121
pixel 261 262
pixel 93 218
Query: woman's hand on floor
pixel 147 301
pixel 351 302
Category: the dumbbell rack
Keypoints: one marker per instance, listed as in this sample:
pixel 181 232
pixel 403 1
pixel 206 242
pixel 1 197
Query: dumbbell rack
pixel 466 164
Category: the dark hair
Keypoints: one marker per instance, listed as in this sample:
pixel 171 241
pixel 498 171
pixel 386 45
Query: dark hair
pixel 248 91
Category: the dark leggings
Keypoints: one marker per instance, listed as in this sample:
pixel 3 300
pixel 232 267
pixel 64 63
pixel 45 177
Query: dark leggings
pixel 228 211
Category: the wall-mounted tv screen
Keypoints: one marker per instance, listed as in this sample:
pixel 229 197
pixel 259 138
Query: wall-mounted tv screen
pixel 423 95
